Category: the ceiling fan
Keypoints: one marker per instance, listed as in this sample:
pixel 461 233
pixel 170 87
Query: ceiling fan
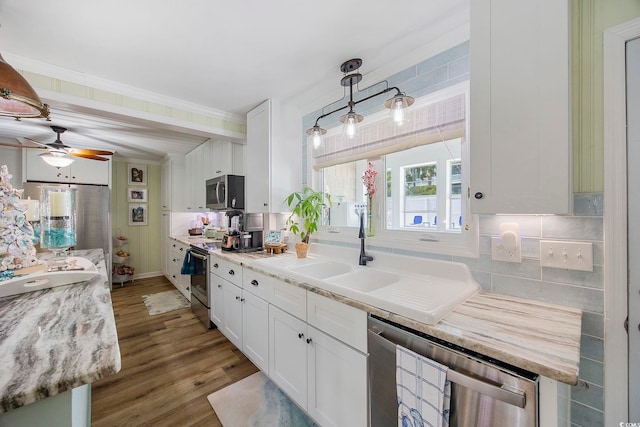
pixel 61 149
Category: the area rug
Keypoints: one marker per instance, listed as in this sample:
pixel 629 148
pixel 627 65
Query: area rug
pixel 164 302
pixel 256 401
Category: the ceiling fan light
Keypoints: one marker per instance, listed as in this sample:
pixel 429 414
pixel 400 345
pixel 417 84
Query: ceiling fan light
pixel 350 121
pixel 17 97
pixel 56 159
pixel 316 136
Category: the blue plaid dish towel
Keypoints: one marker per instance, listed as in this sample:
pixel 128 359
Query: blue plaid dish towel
pixel 424 393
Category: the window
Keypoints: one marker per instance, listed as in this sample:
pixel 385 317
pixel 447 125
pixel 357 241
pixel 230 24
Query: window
pixel 423 197
pixel 423 171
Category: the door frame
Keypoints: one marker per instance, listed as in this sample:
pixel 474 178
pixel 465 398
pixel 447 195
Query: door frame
pixel 616 342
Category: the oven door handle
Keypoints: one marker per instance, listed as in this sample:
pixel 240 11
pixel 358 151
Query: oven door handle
pixel 495 391
pixel 197 255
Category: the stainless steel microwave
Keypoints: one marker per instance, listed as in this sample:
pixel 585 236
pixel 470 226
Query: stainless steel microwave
pixel 225 192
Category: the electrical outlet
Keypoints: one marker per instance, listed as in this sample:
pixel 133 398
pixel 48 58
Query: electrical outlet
pixel 499 253
pixel 569 255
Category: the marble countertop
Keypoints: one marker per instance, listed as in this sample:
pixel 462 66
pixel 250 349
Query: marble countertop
pixel 57 339
pixel 535 336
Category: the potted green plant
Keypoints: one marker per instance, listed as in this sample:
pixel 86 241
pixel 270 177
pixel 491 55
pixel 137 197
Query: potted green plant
pixel 307 209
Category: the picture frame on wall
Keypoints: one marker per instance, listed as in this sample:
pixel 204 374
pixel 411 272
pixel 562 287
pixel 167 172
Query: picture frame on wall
pixel 136 174
pixel 137 195
pixel 137 214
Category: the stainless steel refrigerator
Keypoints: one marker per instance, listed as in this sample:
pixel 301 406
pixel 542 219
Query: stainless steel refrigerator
pixel 93 217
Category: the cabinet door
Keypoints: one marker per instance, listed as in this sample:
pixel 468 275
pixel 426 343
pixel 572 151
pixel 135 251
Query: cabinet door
pixel 337 382
pixel 85 171
pixel 198 187
pixel 37 170
pixel 81 171
pixel 255 330
pixel 172 183
pixel 238 159
pixel 232 322
pixel 216 302
pixel 220 159
pixel 288 354
pixel 520 105
pixel 258 158
pixel 165 230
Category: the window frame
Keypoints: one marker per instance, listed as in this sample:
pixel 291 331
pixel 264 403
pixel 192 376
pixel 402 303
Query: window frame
pixel 464 242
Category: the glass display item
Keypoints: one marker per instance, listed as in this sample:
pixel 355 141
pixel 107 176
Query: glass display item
pixel 58 219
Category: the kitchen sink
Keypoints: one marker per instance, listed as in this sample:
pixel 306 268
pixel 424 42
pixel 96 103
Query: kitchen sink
pixel 322 270
pixel 365 279
pixel 424 290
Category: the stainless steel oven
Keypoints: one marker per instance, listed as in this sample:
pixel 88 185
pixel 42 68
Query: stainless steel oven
pixel 484 392
pixel 200 284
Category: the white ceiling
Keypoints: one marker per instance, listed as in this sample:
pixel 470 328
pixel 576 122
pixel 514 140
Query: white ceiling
pixel 228 56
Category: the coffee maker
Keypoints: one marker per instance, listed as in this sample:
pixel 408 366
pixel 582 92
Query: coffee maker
pixel 251 232
pixel 244 233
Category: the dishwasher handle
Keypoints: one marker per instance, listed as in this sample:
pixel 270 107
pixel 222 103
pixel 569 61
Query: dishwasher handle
pixel 494 391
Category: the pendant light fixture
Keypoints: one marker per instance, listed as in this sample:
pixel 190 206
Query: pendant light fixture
pixel 397 104
pixel 17 97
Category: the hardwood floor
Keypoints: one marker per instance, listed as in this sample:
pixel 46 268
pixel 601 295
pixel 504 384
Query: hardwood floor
pixel 170 364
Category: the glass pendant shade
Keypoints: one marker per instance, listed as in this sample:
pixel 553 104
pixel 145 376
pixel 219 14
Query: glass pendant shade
pixel 316 136
pixel 57 159
pixel 398 108
pixel 350 121
pixel 17 97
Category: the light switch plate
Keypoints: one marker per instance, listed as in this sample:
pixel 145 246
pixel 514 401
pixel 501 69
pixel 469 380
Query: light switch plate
pixel 498 252
pixel 568 255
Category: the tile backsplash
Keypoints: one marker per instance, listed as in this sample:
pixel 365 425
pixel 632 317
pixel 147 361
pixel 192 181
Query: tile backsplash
pixel 528 279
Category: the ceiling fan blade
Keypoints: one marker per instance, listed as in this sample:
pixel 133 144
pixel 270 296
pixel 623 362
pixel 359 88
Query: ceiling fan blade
pixel 89 156
pixel 4 144
pixel 43 145
pixel 88 151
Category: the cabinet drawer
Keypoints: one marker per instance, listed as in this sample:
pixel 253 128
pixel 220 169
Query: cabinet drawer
pixel 341 321
pixel 286 296
pixel 289 298
pixel 227 270
pixel 258 284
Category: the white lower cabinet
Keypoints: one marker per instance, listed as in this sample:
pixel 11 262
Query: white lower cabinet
pixel 216 303
pixel 336 381
pixel 232 322
pixel 255 330
pixel 288 354
pixel 239 314
pixel 324 376
pixel 182 282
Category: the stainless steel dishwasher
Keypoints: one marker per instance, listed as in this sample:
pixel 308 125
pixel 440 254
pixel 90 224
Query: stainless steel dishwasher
pixel 484 392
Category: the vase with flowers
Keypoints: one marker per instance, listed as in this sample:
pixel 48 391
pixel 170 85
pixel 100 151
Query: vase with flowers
pixel 369 181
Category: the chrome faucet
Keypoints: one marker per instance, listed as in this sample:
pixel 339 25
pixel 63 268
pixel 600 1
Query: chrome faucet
pixel 363 256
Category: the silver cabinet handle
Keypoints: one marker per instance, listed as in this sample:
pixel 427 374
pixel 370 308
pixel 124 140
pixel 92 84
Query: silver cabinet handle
pixel 254 282
pixel 231 272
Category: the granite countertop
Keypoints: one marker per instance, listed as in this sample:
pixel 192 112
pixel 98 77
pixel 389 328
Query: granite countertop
pixel 535 336
pixel 57 339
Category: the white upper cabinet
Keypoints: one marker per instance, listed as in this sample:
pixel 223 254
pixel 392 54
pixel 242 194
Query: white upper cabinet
pixel 81 171
pixel 172 184
pixel 273 157
pixel 194 162
pixel 520 107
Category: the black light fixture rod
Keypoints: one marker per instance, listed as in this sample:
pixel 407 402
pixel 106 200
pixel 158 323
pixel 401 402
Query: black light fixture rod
pixel 352 103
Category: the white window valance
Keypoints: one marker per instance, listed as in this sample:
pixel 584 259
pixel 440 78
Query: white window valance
pixel 433 122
